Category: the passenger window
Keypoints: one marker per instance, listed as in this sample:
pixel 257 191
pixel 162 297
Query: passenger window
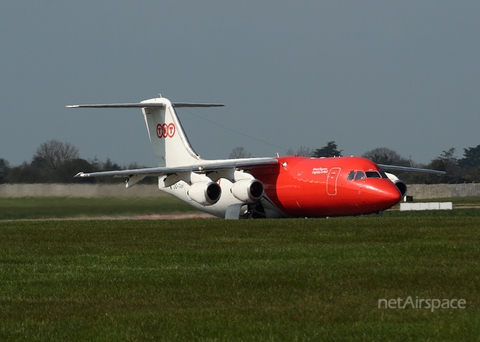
pixel 351 175
pixel 372 174
pixel 360 175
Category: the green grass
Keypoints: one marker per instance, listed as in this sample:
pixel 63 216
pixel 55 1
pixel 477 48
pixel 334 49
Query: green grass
pixel 462 206
pixel 62 207
pixel 260 280
pixel 457 201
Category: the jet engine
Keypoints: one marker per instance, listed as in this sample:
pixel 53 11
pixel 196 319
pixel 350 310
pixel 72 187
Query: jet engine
pixel 401 186
pixel 205 193
pixel 247 190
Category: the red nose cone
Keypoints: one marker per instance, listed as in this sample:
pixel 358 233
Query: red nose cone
pixel 381 195
pixel 390 194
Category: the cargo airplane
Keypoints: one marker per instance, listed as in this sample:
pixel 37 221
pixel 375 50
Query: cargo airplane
pixel 291 186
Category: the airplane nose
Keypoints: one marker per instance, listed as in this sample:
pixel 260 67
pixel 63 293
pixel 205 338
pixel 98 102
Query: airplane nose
pixel 382 195
pixel 378 195
pixel 391 194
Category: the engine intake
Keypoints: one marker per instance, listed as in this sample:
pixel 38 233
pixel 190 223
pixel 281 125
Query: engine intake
pixel 205 193
pixel 248 190
pixel 401 186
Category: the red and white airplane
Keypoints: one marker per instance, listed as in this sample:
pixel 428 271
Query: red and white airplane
pixel 257 187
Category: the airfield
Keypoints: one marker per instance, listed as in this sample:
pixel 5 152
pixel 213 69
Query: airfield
pixel 83 269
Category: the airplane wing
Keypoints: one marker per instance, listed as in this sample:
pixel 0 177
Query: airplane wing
pixel 409 169
pixel 203 167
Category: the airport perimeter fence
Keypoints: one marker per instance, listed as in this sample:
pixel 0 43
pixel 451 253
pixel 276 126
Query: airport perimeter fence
pixel 417 191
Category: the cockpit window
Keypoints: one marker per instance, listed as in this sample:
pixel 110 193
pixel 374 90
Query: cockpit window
pixel 356 175
pixel 359 175
pixel 384 175
pixel 372 174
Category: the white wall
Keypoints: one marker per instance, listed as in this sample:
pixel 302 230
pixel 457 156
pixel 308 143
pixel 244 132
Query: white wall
pixel 418 191
pixel 79 190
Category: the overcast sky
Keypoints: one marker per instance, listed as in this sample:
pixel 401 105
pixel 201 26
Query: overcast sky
pixel 398 74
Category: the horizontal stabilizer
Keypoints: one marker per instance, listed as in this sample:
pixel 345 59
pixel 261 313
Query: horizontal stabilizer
pixel 145 105
pixel 196 105
pixel 118 105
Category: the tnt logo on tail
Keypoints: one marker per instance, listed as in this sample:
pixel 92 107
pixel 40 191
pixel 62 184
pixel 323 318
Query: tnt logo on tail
pixel 165 130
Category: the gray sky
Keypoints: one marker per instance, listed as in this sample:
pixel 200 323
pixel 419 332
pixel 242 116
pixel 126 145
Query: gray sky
pixel 398 74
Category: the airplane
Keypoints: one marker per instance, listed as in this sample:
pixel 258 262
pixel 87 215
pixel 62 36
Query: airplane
pixel 267 187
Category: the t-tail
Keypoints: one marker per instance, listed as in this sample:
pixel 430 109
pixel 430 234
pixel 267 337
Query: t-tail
pixel 169 141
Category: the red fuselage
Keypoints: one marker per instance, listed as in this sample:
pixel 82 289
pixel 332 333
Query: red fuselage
pixel 320 187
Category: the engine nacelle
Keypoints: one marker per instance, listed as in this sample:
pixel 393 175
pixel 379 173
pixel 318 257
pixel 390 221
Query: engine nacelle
pixel 247 190
pixel 205 193
pixel 401 186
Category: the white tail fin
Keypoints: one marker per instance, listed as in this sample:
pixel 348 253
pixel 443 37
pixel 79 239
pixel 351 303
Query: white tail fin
pixel 169 141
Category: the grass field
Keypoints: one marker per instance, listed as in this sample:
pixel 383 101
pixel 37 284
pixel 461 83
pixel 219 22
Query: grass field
pixel 257 280
pixel 64 207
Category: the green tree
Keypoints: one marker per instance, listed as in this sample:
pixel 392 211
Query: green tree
pixel 445 162
pixel 25 173
pixel 4 170
pixel 66 172
pixel 330 150
pixel 470 164
pixel 110 165
pixel 471 157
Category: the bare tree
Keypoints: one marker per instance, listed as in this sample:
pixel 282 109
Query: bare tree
pixel 53 153
pixel 239 152
pixel 302 151
pixel 305 151
pixel 383 155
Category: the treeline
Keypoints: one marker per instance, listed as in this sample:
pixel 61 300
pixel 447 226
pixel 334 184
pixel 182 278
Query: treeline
pixel 59 162
pixel 458 170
